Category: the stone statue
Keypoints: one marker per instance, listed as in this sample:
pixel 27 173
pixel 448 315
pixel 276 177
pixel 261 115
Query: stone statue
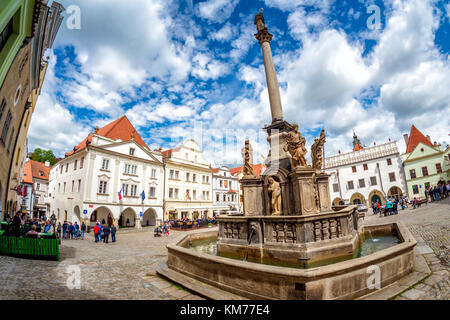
pixel 317 152
pixel 296 147
pixel 275 193
pixel 248 166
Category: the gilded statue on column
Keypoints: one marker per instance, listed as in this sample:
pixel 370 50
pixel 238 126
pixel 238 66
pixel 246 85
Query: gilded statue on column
pixel 296 147
pixel 275 196
pixel 248 166
pixel 317 152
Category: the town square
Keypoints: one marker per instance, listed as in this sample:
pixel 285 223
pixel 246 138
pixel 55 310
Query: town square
pixel 229 150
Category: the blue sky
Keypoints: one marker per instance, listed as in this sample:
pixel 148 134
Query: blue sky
pixel 182 69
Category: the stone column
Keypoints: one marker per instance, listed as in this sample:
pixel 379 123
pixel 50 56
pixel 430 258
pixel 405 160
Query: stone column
pixel 264 38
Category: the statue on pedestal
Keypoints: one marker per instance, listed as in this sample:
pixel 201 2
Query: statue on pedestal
pixel 275 193
pixel 248 165
pixel 317 152
pixel 296 147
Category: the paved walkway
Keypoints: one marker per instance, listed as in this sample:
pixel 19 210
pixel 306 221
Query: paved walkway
pixel 126 269
pixel 121 270
pixel 429 225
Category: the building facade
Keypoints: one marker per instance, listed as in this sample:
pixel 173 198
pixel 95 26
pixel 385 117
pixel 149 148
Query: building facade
pixel 425 163
pixel 111 177
pixel 27 28
pixel 188 183
pixel 225 190
pixel 366 175
pixel 34 199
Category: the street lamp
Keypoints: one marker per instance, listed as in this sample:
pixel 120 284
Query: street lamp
pixel 53 220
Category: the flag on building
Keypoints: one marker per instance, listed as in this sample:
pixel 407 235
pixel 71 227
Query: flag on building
pixel 120 194
pixel 143 195
pixel 187 195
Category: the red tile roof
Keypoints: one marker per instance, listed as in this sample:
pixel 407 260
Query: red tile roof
pixel 415 137
pixel 258 168
pixel 34 169
pixel 119 129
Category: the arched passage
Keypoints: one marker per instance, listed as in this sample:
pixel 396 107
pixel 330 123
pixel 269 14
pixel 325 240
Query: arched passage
pixel 76 217
pixel 149 218
pixel 102 215
pixel 127 218
pixel 377 196
pixel 338 202
pixel 395 192
pixel 357 198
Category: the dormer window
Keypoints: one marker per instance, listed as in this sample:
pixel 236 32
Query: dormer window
pixel 132 151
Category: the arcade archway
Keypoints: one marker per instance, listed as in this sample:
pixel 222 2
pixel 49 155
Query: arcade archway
pixel 395 192
pixel 377 196
pixel 76 217
pixel 149 218
pixel 102 215
pixel 357 198
pixel 127 218
pixel 338 202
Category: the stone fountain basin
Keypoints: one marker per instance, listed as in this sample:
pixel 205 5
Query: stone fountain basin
pixel 342 280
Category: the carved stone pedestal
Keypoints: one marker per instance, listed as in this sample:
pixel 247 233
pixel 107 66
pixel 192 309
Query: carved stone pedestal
pixel 304 191
pixel 252 190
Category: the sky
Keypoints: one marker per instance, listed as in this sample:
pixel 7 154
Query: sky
pixel 193 69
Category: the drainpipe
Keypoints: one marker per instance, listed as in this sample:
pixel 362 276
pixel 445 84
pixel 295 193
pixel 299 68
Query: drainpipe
pixel 381 181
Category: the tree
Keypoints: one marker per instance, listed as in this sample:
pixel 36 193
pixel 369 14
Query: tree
pixel 41 155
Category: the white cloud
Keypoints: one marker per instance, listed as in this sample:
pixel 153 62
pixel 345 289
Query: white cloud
pixel 204 67
pixel 216 10
pixel 225 33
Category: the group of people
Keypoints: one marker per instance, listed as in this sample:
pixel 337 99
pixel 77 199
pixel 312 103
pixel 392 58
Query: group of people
pixel 438 192
pixel 101 233
pixel 71 231
pixel 391 206
pixel 31 226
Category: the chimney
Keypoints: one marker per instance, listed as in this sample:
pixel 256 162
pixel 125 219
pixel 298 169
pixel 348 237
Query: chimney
pixel 405 136
pixel 428 138
pixel 47 163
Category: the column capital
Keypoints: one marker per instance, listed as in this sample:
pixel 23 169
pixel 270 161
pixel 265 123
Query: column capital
pixel 263 35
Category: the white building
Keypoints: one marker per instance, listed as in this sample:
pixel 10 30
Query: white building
pixel 188 183
pixel 225 190
pixel 366 175
pixel 85 185
pixel 33 197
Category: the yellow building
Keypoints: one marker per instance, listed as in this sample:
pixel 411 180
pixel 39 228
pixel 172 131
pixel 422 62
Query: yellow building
pixel 425 163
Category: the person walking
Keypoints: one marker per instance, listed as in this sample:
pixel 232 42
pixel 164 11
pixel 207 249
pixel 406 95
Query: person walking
pixel 82 230
pixel 17 221
pixel 106 231
pixel 65 225
pixel 96 232
pixel 70 229
pixel 76 229
pixel 59 228
pixel 113 233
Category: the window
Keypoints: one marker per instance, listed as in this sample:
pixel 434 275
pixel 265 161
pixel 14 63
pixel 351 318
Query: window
pixel 424 171
pixel 61 167
pixel 412 173
pixel 188 194
pixel 373 181
pixel 79 185
pixel 10 140
pixel 67 167
pixel 427 185
pixel 133 190
pixel 350 185
pixel 105 164
pixel 64 187
pixel 75 165
pixel 177 173
pixel 2 108
pixel 354 169
pixel 125 189
pixel 392 176
pixel 335 187
pixel 224 198
pixel 5 34
pixel 102 188
pixel 187 176
pixel 221 183
pixel 176 193
pixel 365 166
pixel 73 185
pixel 171 174
pixel 194 177
pixel 170 193
pixel 59 187
pixel 194 194
pixel 38 186
pixel 153 173
pixel 133 169
pixel 36 199
pixel 415 189
pixel 389 162
pixel 438 168
pixel 6 128
pixel 152 192
pixel 217 197
pixel 362 183
pixel 127 168
pixel 81 163
pixel 132 151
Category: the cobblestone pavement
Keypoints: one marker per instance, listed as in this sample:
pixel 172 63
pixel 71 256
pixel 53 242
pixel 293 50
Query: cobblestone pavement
pixel 429 225
pixel 121 270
